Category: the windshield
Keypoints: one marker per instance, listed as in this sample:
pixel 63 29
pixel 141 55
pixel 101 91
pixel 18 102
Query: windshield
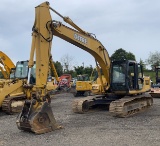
pixel 82 78
pixel 79 78
pixel 21 69
pixel 118 73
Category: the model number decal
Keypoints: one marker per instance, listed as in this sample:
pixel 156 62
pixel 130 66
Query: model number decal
pixel 80 38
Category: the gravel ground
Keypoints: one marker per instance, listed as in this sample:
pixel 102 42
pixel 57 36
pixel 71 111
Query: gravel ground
pixel 96 128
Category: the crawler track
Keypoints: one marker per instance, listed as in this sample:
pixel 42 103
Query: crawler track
pixel 13 104
pixel 81 105
pixel 129 106
pixel 124 107
pixel 84 104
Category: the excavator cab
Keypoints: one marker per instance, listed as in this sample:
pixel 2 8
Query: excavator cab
pixel 22 70
pixel 126 75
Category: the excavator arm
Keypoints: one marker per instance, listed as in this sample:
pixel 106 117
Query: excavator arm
pixel 36 115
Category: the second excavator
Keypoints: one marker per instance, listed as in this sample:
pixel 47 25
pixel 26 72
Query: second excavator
pixel 83 85
pixel 11 86
pixel 124 89
pixel 12 93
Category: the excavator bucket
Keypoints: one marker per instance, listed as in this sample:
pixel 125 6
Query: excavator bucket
pixel 38 120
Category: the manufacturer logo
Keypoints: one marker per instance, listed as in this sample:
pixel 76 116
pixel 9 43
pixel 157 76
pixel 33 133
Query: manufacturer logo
pixel 80 38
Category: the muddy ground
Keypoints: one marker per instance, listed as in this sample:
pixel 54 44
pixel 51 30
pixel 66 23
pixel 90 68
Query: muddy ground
pixel 96 128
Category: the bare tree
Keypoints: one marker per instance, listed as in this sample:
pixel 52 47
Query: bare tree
pixel 68 62
pixel 154 59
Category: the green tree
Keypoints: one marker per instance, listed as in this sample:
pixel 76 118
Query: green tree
pixel 59 68
pixel 79 70
pixel 153 59
pixel 143 64
pixel 83 70
pixel 72 72
pixel 88 70
pixel 122 54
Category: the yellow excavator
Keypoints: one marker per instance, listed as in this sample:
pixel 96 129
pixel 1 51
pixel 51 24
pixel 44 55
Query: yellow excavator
pixel 124 90
pixel 6 65
pixel 11 87
pixel 83 85
pixel 12 93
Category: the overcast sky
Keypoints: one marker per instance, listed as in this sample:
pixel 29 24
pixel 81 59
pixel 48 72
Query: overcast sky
pixel 133 25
